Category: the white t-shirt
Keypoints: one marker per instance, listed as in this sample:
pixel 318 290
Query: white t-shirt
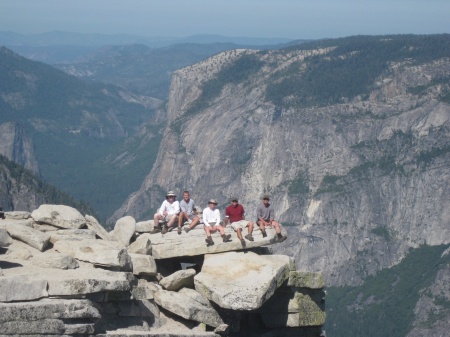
pixel 210 215
pixel 170 208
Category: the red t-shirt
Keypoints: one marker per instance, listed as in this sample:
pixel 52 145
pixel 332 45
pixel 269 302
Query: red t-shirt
pixel 235 213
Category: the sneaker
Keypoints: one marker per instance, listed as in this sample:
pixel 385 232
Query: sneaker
pixel 264 234
pixel 187 229
pixel 226 238
pixel 164 230
pixel 179 230
pixel 243 243
pixel 209 241
pixel 249 237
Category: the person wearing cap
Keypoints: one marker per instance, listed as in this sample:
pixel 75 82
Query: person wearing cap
pixel 235 214
pixel 211 221
pixel 168 213
pixel 265 218
pixel 187 207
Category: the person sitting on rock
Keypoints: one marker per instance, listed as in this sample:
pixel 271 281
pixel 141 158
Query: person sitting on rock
pixel 187 207
pixel 265 217
pixel 235 214
pixel 211 220
pixel 168 213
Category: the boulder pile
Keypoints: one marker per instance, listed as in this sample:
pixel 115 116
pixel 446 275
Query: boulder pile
pixel 63 274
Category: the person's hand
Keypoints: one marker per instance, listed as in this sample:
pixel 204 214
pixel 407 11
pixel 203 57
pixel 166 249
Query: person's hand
pixel 165 213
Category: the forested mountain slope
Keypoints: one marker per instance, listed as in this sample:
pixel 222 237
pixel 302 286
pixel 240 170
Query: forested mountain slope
pixel 85 136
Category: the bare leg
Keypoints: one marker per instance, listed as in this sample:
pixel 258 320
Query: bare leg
pixel 181 218
pixel 250 227
pixel 172 220
pixel 194 222
pixel 277 227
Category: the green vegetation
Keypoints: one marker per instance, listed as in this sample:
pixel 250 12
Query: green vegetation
pixel 238 71
pixel 350 69
pixel 384 304
pixel 299 185
pixel 383 232
pixel 87 167
pixel 49 194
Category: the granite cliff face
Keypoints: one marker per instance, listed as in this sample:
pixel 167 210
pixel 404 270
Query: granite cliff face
pixel 17 146
pixel 358 177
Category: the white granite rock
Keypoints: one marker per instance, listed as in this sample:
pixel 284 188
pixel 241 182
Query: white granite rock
pixel 18 215
pixel 5 239
pixel 242 281
pixel 94 225
pixel 21 288
pixel 142 245
pixel 30 236
pixel 48 308
pixel 143 264
pixel 144 226
pixel 193 243
pixel 178 280
pixel 59 215
pixel 188 307
pixel 72 235
pixel 54 260
pixel 124 230
pixel 98 252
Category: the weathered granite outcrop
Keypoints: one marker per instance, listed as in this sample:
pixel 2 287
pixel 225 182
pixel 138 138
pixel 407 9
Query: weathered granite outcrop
pixel 85 282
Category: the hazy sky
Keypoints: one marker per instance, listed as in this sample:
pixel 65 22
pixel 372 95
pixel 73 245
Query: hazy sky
pixel 295 19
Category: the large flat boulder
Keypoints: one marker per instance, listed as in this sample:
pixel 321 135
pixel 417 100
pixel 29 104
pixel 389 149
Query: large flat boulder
pixel 30 236
pixel 193 243
pixel 54 260
pixel 98 252
pixel 59 215
pixel 242 280
pixel 188 306
pixel 20 280
pixel 48 308
pixel 21 288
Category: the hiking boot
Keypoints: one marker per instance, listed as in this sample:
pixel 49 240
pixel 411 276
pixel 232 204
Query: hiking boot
pixel 243 243
pixel 155 230
pixel 264 234
pixel 249 237
pixel 187 229
pixel 164 230
pixel 209 241
pixel 226 237
pixel 179 230
pixel 281 238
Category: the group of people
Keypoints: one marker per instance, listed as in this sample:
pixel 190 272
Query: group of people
pixel 173 213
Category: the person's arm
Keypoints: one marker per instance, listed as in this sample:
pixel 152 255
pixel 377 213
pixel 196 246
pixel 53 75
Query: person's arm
pixel 227 217
pixel 162 208
pixel 217 214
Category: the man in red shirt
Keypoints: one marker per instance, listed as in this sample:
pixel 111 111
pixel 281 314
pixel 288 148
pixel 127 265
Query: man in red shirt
pixel 236 216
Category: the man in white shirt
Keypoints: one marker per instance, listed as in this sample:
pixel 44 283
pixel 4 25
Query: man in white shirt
pixel 211 220
pixel 168 213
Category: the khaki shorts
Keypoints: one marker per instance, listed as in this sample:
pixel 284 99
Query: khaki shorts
pixel 239 224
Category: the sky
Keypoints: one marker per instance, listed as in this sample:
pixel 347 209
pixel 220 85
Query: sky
pixel 293 19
